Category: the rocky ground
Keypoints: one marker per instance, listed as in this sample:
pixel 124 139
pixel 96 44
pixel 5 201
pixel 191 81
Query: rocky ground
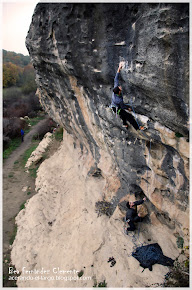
pixel 73 235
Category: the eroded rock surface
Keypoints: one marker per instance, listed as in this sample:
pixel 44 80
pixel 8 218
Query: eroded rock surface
pixel 76 49
pixel 37 154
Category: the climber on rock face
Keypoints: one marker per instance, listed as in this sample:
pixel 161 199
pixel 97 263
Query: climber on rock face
pixel 119 106
pixel 131 214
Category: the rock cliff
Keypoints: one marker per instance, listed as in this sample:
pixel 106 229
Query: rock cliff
pixel 75 50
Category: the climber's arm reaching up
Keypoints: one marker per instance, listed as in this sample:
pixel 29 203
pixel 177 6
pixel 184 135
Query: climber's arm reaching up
pixel 116 80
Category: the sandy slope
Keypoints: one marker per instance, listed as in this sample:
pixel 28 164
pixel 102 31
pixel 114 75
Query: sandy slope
pixel 60 231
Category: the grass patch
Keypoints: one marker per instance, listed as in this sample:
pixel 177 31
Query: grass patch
pixel 10 175
pixel 14 144
pixel 33 168
pixel 59 134
pixel 28 152
pixel 33 172
pixel 13 235
pixel 36 137
pixel 36 120
pixel 32 122
pixel 22 206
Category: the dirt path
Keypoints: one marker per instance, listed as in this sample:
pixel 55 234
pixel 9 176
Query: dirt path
pixel 18 187
pixel 14 180
pixel 8 165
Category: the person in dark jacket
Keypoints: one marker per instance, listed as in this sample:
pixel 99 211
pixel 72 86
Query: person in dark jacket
pixel 22 135
pixel 131 214
pixel 118 104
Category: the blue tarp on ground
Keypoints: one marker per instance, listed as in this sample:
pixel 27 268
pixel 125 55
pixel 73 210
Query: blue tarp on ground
pixel 150 255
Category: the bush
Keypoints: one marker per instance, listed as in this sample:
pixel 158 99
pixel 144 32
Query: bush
pixel 32 114
pixel 12 127
pixel 6 142
pixel 16 104
pixel 180 242
pixel 47 127
pixel 100 284
pixel 18 109
pixel 104 207
pixel 34 101
pixel 12 94
pixel 59 134
pixel 178 135
pixel 80 274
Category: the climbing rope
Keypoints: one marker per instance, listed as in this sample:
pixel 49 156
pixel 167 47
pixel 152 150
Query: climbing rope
pixel 135 238
pixel 148 165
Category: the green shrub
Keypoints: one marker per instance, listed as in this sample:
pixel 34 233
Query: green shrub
pixel 33 172
pixel 187 263
pixel 180 242
pixel 12 93
pixel 35 120
pixel 59 134
pixel 14 143
pixel 178 135
pixel 22 206
pixel 13 235
pixel 80 274
pixel 100 284
pixel 104 207
pixel 28 152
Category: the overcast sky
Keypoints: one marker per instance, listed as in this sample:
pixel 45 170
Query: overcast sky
pixel 16 19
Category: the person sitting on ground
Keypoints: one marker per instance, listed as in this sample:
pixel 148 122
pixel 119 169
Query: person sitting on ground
pixel 118 104
pixel 131 214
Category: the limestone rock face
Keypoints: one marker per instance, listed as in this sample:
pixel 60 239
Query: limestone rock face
pixel 82 45
pixel 59 230
pixel 76 50
pixel 37 154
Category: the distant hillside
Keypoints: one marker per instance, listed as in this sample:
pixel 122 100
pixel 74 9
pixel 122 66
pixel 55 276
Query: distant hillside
pixel 15 58
pixel 18 71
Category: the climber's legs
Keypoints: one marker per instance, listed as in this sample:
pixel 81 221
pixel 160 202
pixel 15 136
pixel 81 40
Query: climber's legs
pixel 125 116
pixel 124 120
pixel 131 222
pixel 131 226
